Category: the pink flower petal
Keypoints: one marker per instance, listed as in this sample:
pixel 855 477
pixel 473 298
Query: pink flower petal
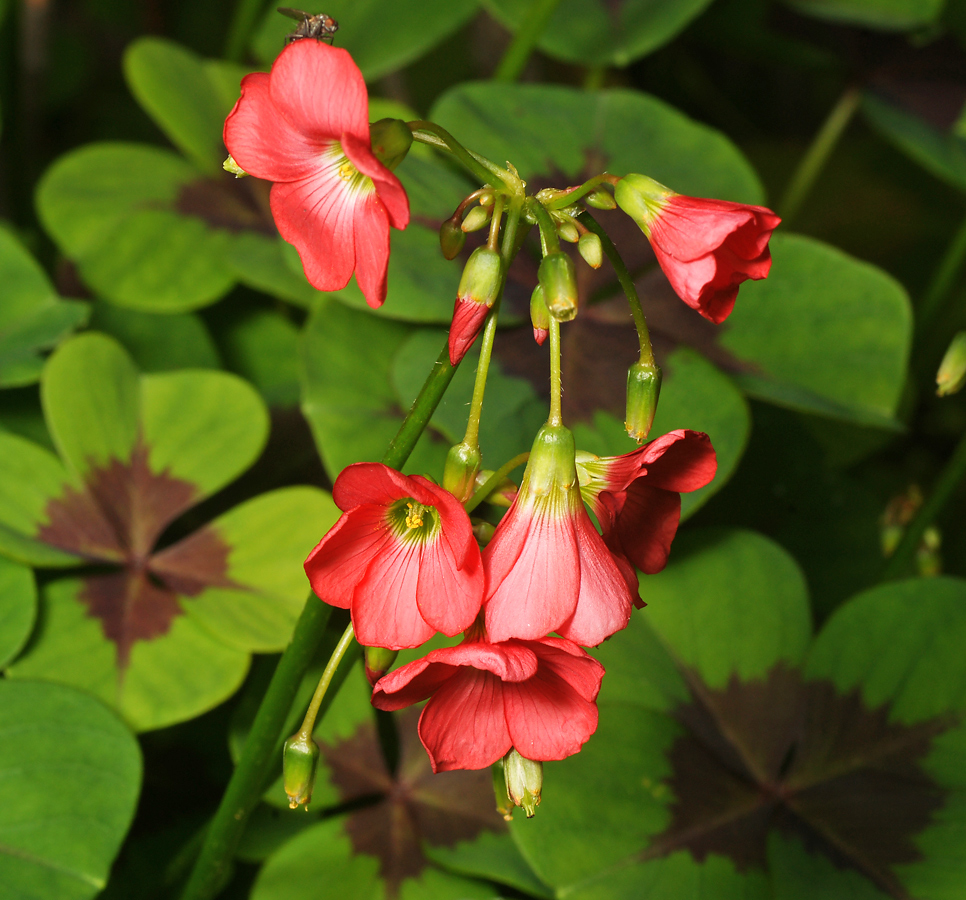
pixel 682 460
pixel 646 526
pixel 339 561
pixel 390 191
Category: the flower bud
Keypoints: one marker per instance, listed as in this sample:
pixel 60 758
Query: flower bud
pixel 479 287
pixel 952 370
pixel 451 238
pixel 591 250
pixel 642 198
pixel 539 316
pixel 483 531
pixel 643 389
pixel 391 140
pixel 300 758
pixel 503 494
pixel 378 661
pixel 524 781
pixel 229 165
pixel 568 232
pixel 559 283
pixel 504 805
pixel 459 473
pixel 600 199
pixel 476 218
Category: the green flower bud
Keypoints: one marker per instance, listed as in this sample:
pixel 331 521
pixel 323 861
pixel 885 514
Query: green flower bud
pixel 391 140
pixel 483 531
pixel 568 232
pixel 952 370
pixel 539 315
pixel 459 473
pixel 643 389
pixel 378 660
pixel 502 495
pixel 476 218
pixel 229 165
pixel 601 199
pixel 559 283
pixel 504 805
pixel 524 781
pixel 300 758
pixel 591 250
pixel 451 238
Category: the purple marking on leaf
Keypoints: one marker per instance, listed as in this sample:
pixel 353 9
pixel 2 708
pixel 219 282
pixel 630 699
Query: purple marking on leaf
pixel 194 563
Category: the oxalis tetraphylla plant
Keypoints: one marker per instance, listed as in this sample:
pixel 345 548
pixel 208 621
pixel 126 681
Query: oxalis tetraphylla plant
pixel 407 558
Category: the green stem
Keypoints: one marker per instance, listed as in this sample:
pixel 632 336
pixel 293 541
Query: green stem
pixel 556 385
pixel 478 166
pixel 818 153
pixel 949 480
pixel 627 283
pixel 494 481
pixel 549 241
pixel 242 22
pixel 308 723
pixel 525 39
pixel 942 280
pixel 568 198
pixel 245 788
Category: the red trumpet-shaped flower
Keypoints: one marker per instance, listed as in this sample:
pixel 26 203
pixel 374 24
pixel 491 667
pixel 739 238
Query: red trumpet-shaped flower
pixel 636 497
pixel 707 248
pixel 402 558
pixel 537 696
pixel 547 568
pixel 305 127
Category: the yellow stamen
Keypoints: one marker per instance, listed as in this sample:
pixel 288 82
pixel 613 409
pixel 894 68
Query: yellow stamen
pixel 414 518
pixel 347 171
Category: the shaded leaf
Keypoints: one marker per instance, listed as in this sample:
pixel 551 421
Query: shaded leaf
pixel 68 793
pixel 18 608
pixel 889 15
pixel 262 345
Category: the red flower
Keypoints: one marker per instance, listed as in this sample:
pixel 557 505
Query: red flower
pixel 537 696
pixel 547 568
pixel 402 558
pixel 305 126
pixel 636 497
pixel 707 248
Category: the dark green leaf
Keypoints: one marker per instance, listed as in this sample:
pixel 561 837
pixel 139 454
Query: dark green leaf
pixel 888 15
pixel 18 608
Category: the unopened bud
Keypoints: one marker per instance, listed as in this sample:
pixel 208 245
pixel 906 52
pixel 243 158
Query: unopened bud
pixel 559 283
pixel 378 660
pixel 476 218
pixel 591 250
pixel 391 140
pixel 483 531
pixel 480 285
pixel 459 473
pixel 601 199
pixel 524 781
pixel 929 561
pixel 300 758
pixel 952 370
pixel 568 232
pixel 504 805
pixel 643 390
pixel 451 238
pixel 502 495
pixel 539 315
pixel 229 165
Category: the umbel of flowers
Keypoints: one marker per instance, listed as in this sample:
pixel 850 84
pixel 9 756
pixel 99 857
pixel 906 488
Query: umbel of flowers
pixel 405 558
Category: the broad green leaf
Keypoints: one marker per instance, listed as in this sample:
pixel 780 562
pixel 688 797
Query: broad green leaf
pixel 694 395
pixel 111 207
pixel 32 317
pixel 797 874
pixel 319 864
pixel 824 333
pixel 729 603
pixel 944 155
pixel 262 262
pixel 900 643
pixel 168 680
pixel 158 343
pixel 226 80
pixel 18 608
pixel 262 345
pixel 887 15
pixel 69 779
pixel 89 391
pixel 381 35
pixel 347 395
pixel 201 426
pixel 172 85
pixel 269 538
pixel 432 884
pixel 600 807
pixel 600 33
pixel 564 133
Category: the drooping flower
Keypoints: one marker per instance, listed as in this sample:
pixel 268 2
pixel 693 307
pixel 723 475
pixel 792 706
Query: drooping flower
pixel 547 567
pixel 537 696
pixel 305 127
pixel 637 496
pixel 707 248
pixel 402 558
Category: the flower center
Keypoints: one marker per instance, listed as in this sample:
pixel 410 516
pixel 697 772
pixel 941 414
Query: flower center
pixel 413 521
pixel 347 171
pixel 414 518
